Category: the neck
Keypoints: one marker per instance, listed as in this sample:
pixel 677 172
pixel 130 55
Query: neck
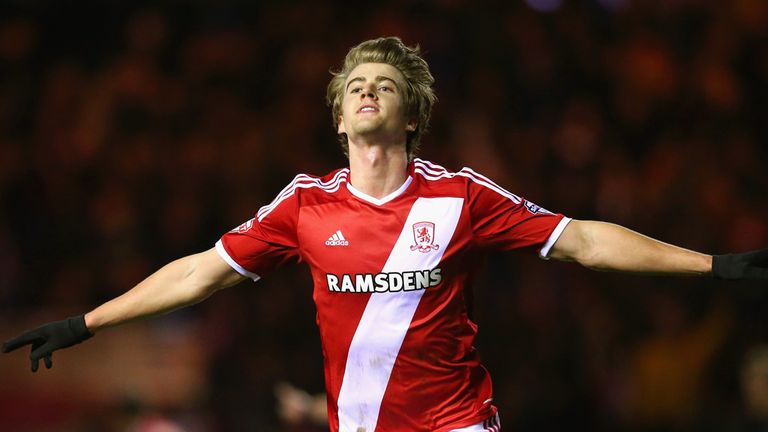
pixel 377 170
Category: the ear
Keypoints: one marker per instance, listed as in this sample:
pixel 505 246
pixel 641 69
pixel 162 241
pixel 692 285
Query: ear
pixel 411 125
pixel 341 129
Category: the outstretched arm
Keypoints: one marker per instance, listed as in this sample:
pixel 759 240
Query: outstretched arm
pixel 609 247
pixel 181 283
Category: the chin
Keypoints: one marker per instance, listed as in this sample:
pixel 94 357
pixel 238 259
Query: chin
pixel 368 128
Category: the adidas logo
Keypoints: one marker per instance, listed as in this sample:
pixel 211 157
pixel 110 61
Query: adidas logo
pixel 337 239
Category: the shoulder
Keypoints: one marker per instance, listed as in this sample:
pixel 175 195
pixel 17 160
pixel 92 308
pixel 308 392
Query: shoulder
pixel 434 173
pixel 467 177
pixel 311 183
pixel 307 188
pixel 329 181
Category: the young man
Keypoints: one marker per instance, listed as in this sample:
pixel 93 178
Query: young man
pixel 391 242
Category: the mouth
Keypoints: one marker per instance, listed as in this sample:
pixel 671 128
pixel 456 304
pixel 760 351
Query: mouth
pixel 368 109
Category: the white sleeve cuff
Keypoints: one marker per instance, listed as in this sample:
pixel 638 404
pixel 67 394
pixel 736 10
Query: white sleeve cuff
pixel 544 252
pixel 238 268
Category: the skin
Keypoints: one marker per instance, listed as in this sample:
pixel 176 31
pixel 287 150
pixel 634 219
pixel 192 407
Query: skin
pixel 608 247
pixel 378 163
pixel 180 283
pixel 377 156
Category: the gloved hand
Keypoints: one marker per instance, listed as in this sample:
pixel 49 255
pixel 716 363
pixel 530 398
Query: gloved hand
pixel 747 265
pixel 49 337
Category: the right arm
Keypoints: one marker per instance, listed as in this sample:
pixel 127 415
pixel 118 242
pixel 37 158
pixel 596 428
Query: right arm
pixel 262 246
pixel 181 283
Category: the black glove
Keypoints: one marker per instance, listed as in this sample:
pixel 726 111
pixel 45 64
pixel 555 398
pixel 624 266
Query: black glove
pixel 49 337
pixel 747 265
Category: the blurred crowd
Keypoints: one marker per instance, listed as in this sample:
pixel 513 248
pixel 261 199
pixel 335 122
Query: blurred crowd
pixel 134 133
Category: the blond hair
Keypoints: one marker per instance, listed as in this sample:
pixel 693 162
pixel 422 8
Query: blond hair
pixel 418 95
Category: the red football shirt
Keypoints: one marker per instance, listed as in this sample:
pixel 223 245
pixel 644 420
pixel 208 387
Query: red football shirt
pixel 391 280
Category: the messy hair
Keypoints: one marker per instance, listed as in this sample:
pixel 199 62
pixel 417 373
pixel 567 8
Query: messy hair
pixel 419 96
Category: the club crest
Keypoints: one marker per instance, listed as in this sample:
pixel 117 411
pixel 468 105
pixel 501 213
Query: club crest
pixel 424 237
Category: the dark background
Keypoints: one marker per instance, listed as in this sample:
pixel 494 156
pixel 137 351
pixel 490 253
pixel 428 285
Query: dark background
pixel 134 133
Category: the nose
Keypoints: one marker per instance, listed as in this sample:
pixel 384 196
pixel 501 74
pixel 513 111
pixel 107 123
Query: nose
pixel 369 92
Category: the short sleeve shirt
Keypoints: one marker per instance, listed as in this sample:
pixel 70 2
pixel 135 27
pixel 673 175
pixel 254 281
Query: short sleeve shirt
pixel 391 286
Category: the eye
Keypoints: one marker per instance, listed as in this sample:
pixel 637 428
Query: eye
pixel 385 88
pixel 355 90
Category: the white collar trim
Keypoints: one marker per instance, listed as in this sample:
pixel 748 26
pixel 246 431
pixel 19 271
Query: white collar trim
pixel 380 201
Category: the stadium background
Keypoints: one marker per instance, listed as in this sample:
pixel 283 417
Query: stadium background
pixel 133 133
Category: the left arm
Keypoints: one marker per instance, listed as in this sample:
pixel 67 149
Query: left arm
pixel 609 247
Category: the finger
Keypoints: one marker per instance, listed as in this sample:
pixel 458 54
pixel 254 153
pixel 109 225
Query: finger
pixel 41 351
pixel 19 341
pixel 758 264
pixel 761 257
pixel 48 361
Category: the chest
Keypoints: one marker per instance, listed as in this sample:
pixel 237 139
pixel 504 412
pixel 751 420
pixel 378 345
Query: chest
pixel 353 237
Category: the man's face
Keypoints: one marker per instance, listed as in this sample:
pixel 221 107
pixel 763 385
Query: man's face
pixel 373 105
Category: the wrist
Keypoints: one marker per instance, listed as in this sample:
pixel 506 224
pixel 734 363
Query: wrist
pixel 90 322
pixel 79 327
pixel 737 266
pixel 720 267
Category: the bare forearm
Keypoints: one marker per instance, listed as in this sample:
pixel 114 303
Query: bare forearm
pixel 609 247
pixel 183 282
